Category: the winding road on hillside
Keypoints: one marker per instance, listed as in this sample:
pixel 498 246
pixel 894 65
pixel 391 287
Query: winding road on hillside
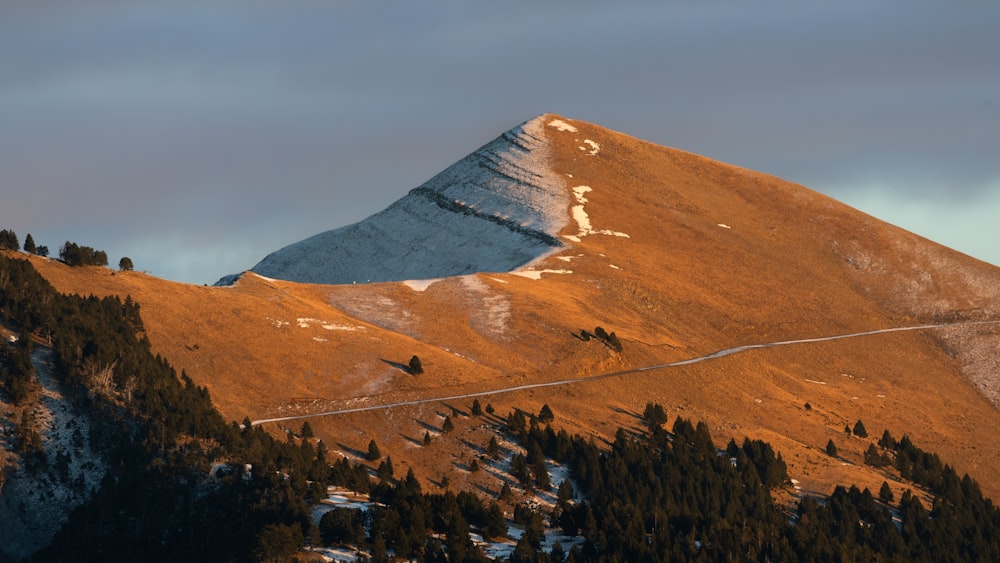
pixel 712 356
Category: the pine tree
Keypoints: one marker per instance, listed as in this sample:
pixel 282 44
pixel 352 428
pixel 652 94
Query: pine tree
pixel 373 452
pixel 477 409
pixel 831 448
pixel 885 493
pixel 29 244
pixel 493 448
pixel 415 366
pixel 887 441
pixel 545 415
pixel 125 264
pixel 859 429
pixel 495 525
pixel 307 431
pixel 385 470
pixel 655 415
pixel 8 240
pixel 427 438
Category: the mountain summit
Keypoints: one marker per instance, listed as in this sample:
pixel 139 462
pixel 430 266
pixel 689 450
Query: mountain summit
pixel 496 209
pixel 836 316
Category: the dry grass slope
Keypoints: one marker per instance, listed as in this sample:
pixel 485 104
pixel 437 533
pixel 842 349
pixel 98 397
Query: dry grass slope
pixel 715 256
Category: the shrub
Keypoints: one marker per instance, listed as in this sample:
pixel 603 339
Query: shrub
pixel 415 366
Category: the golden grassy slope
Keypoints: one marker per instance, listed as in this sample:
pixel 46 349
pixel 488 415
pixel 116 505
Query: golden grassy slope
pixel 716 256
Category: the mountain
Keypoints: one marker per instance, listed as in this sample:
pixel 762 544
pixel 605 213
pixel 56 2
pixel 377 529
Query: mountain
pixel 496 209
pixel 560 227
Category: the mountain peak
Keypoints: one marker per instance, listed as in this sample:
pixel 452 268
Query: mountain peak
pixel 495 210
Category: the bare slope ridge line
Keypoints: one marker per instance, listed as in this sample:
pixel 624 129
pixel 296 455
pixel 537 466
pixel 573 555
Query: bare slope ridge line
pixel 712 356
pixel 498 208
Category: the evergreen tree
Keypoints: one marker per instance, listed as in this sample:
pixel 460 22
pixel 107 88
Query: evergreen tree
pixel 278 542
pixel 875 458
pixel 477 409
pixel 493 448
pixel 887 442
pixel 614 343
pixel 427 438
pixel 859 429
pixel 545 414
pixel 373 452
pixel 831 448
pixel 885 493
pixel 29 244
pixel 385 470
pixel 8 240
pixel 654 415
pixel 307 431
pixel 448 425
pixel 415 366
pixel 495 525
pixel 125 264
pixel 516 423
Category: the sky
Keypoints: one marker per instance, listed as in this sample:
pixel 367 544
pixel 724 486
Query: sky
pixel 196 137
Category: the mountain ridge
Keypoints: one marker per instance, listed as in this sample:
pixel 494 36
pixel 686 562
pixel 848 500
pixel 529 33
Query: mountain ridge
pixel 716 257
pixel 496 209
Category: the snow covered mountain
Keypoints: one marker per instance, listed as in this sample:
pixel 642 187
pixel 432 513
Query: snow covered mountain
pixel 496 209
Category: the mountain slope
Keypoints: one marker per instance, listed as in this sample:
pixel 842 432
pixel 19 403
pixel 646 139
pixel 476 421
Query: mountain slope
pixel 680 256
pixel 494 210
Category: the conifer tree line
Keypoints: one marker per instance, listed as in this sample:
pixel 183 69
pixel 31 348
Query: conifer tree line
pixel 70 253
pixel 160 435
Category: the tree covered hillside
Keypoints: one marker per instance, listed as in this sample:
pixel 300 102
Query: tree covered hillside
pixel 160 436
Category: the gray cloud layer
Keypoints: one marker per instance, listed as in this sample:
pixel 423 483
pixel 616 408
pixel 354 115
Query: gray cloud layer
pixel 195 137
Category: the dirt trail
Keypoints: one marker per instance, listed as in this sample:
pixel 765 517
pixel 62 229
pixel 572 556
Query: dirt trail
pixel 712 356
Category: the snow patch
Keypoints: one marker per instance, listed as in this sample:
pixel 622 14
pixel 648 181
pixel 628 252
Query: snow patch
pixel 537 274
pixel 420 285
pixel 583 220
pixel 562 126
pixel 308 322
pixel 724 226
pixel 594 147
pixel 277 323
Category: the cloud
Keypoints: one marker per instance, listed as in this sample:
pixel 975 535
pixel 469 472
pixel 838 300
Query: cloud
pixel 238 120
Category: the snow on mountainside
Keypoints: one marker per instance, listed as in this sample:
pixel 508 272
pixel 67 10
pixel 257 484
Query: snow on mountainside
pixel 495 210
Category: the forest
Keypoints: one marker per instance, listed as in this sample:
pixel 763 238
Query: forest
pixel 650 494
